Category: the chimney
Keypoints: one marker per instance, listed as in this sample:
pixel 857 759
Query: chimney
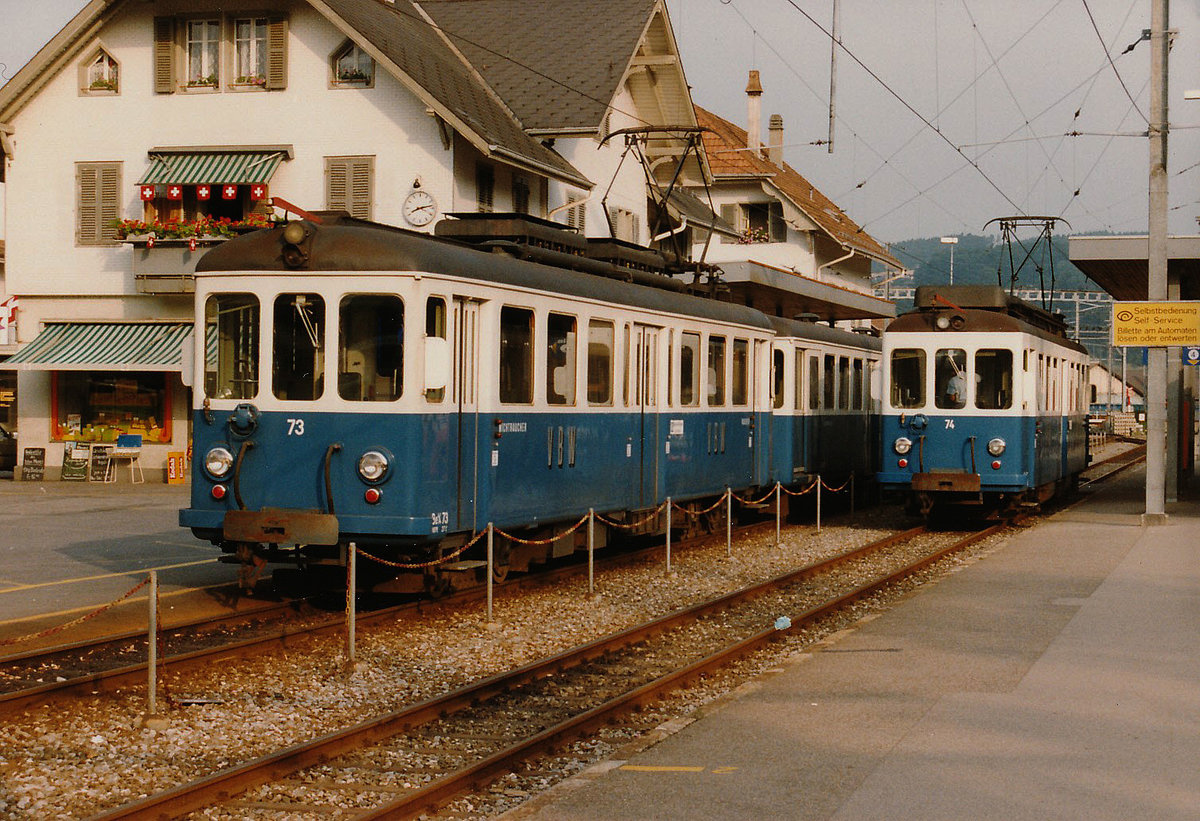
pixel 754 111
pixel 775 140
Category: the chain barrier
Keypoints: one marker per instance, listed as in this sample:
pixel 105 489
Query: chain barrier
pixel 708 509
pixel 51 631
pixel 541 542
pixel 770 493
pixel 835 489
pixel 811 487
pixel 632 525
pixel 422 565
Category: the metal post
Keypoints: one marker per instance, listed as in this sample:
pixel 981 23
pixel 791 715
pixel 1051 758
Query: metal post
pixel 777 508
pixel 851 494
pixel 152 661
pixel 591 551
pixel 668 535
pixel 818 503
pixel 490 555
pixel 1157 281
pixel 728 522
pixel 351 602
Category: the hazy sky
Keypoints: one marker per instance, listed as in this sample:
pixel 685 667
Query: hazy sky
pixel 1001 79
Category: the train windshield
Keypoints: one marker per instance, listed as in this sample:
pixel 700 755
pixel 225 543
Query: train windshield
pixel 993 379
pixel 908 378
pixel 231 346
pixel 950 368
pixel 371 348
pixel 298 349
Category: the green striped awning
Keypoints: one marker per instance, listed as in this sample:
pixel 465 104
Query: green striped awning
pixel 113 346
pixel 244 167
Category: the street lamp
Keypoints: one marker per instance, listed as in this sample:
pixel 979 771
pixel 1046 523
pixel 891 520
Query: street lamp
pixel 951 241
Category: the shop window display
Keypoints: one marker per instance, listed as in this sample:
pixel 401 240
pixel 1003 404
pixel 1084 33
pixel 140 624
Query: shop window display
pixel 98 407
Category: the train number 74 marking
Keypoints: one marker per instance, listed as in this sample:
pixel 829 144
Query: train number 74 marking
pixel 949 424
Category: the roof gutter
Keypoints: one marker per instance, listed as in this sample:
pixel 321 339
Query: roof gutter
pixel 833 262
pixel 535 165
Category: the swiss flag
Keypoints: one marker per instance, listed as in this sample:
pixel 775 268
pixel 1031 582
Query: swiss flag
pixel 258 192
pixel 174 192
pixel 203 192
pixel 229 192
pixel 147 192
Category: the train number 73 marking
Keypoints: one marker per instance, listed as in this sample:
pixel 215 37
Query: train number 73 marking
pixel 295 427
pixel 949 424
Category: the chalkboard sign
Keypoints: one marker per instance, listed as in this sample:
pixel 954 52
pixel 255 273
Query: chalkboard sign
pixel 33 464
pixel 98 472
pixel 75 462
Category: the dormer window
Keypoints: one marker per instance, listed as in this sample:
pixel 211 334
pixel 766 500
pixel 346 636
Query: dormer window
pixel 250 50
pixel 101 75
pixel 757 222
pixel 353 67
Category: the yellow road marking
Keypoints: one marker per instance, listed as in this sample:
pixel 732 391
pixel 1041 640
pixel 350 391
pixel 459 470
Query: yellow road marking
pixel 646 768
pixel 85 608
pixel 103 576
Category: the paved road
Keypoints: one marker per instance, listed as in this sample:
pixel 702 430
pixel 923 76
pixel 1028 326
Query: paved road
pixel 68 548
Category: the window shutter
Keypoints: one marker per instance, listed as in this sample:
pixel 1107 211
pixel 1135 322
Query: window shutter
pixel 348 185
pixel 361 176
pixel 337 192
pixel 277 42
pixel 164 55
pixel 778 226
pixel 730 213
pixel 99 205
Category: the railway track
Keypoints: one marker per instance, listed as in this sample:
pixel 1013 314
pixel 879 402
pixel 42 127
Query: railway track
pixel 418 758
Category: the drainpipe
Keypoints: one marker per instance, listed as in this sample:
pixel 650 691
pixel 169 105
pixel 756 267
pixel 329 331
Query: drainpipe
pixel 553 212
pixel 833 262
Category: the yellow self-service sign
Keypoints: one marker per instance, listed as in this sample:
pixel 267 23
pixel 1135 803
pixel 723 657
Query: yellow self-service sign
pixel 1156 324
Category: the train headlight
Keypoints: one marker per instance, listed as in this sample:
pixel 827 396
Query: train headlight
pixel 373 466
pixel 902 445
pixel 217 462
pixel 996 446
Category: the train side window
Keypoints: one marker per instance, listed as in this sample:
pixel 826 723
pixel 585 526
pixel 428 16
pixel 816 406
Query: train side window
pixel 908 378
pixel 516 355
pixel 689 369
pixel 777 379
pixel 830 377
pixel 950 369
pixel 231 328
pixel 600 362
pixel 435 328
pixel 741 372
pixel 799 398
pixel 843 401
pixel 298 352
pixel 560 359
pixel 814 382
pixel 370 348
pixel 993 379
pixel 856 383
pixel 716 371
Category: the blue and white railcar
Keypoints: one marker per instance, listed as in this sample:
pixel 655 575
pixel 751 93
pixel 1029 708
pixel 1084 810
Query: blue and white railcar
pixel 361 383
pixel 986 401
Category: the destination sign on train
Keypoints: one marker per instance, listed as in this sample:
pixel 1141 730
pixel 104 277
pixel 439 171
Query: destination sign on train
pixel 1156 323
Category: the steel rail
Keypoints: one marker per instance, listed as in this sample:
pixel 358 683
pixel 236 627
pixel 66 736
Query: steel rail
pixel 231 781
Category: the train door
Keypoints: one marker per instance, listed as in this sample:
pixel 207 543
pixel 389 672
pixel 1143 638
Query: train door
pixel 466 398
pixel 646 401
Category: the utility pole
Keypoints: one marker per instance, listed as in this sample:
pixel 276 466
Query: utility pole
pixel 834 39
pixel 1156 377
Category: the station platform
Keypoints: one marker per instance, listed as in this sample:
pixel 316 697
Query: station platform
pixel 1056 677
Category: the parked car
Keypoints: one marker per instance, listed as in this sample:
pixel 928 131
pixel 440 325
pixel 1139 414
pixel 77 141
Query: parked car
pixel 8 449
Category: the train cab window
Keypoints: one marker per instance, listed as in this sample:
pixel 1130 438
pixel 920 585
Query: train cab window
pixel 560 359
pixel 600 362
pixel 843 402
pixel 856 383
pixel 231 326
pixel 370 348
pixel 298 353
pixel 716 371
pixel 435 328
pixel 908 378
pixel 741 372
pixel 777 380
pixel 993 379
pixel 516 355
pixel 830 382
pixel 950 371
pixel 689 369
pixel 814 382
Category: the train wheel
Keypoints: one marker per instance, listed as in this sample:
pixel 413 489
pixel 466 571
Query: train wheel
pixel 436 585
pixel 499 571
